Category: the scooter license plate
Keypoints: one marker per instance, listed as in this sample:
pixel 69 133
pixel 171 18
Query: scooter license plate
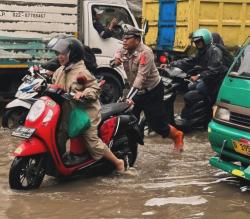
pixel 241 147
pixel 23 132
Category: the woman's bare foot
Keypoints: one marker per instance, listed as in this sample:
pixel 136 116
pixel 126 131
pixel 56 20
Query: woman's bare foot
pixel 120 166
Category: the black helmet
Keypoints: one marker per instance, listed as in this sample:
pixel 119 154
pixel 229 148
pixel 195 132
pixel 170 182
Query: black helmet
pixel 217 39
pixel 67 44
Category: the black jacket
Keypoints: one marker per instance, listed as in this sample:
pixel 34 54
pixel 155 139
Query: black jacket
pixel 211 62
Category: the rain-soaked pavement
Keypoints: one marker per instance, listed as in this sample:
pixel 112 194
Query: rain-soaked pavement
pixel 162 184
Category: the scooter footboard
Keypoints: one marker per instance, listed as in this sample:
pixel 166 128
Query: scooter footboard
pixel 30 147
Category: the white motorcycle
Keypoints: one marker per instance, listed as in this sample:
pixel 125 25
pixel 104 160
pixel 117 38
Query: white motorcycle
pixel 16 111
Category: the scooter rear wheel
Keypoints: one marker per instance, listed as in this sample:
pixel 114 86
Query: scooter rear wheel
pixel 27 172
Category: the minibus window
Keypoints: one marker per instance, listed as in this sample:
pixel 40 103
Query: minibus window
pixel 242 66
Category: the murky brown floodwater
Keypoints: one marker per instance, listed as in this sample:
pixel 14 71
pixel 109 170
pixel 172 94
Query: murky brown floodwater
pixel 162 185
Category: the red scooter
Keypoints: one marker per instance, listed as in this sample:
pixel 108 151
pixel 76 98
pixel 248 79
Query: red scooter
pixel 39 154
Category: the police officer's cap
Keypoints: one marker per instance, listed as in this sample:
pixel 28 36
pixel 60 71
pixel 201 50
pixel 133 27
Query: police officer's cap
pixel 130 31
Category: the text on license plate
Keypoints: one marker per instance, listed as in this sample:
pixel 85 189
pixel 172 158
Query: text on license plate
pixel 23 132
pixel 241 147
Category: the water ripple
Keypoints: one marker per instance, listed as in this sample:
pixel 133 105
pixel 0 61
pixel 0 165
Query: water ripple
pixel 192 200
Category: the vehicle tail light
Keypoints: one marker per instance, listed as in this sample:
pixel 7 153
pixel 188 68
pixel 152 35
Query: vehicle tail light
pixel 163 59
pixel 245 141
pixel 107 130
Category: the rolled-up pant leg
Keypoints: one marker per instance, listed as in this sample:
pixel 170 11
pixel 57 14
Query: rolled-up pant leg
pixel 94 144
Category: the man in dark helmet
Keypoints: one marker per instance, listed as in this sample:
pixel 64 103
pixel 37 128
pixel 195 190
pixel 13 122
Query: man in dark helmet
pixel 146 86
pixel 69 54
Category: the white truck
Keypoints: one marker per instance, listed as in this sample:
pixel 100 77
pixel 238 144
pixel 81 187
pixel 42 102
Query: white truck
pixel 26 26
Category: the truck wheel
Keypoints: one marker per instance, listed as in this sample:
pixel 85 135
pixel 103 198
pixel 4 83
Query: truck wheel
pixel 111 90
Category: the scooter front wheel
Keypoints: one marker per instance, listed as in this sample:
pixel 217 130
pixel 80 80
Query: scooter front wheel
pixel 27 172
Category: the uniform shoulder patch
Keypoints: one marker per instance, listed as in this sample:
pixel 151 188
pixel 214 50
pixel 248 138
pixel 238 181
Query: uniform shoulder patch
pixel 143 59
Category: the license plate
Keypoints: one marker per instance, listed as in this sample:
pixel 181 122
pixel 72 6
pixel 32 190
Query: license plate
pixel 241 147
pixel 23 132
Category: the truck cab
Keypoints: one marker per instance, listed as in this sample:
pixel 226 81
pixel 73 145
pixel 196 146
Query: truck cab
pixel 229 131
pixel 26 26
pixel 115 78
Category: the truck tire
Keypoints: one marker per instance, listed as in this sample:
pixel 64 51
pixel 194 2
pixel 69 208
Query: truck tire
pixel 111 90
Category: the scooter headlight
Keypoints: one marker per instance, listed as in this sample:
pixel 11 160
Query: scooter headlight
pixel 48 117
pixel 222 114
pixel 36 110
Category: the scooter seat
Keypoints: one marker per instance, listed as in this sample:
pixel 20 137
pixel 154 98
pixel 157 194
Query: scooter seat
pixel 112 109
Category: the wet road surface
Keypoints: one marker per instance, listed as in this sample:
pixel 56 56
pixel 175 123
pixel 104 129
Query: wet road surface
pixel 162 184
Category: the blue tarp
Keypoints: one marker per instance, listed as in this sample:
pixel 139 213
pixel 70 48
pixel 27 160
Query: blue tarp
pixel 166 24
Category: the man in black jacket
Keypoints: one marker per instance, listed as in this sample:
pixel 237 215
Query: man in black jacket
pixel 209 58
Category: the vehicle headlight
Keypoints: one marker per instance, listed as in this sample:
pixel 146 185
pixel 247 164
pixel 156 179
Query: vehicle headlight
pixel 49 116
pixel 36 110
pixel 222 114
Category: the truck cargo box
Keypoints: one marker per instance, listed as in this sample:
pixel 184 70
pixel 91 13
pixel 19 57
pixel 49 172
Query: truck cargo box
pixel 150 11
pixel 231 19
pixel 27 25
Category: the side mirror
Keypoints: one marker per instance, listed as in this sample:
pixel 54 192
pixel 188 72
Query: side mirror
pixel 96 50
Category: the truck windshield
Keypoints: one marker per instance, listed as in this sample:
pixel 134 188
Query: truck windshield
pixel 108 13
pixel 242 65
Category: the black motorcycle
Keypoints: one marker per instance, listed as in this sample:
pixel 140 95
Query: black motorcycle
pixel 197 110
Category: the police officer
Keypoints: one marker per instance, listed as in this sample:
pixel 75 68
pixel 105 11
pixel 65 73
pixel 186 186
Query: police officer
pixel 104 32
pixel 147 89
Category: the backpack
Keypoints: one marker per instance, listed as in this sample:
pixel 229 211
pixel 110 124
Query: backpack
pixel 89 59
pixel 227 56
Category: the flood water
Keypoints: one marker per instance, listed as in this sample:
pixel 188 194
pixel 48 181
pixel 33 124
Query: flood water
pixel 162 184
